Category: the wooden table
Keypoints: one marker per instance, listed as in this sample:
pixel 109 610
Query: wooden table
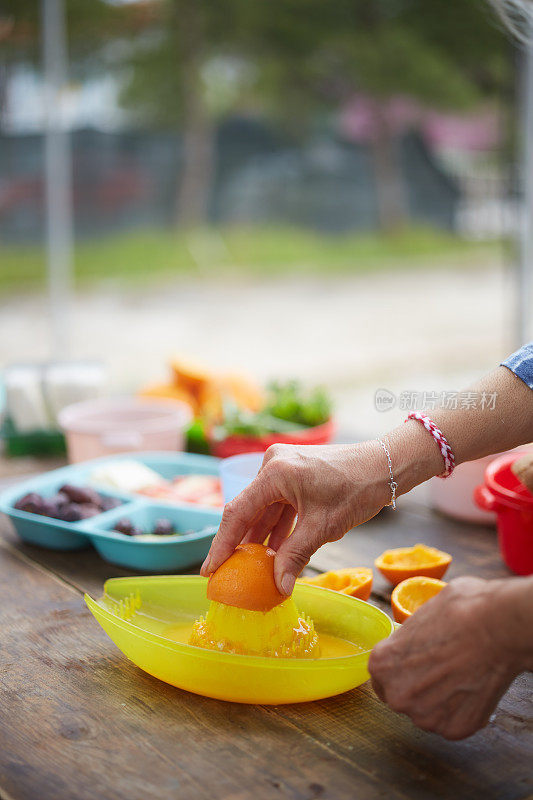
pixel 77 720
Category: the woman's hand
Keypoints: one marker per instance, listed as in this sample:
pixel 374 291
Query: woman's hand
pixel 330 488
pixel 449 664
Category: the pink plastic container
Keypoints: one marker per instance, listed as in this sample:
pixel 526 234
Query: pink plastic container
pixel 101 427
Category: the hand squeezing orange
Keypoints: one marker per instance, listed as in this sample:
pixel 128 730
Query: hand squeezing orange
pixel 248 615
pixel 246 579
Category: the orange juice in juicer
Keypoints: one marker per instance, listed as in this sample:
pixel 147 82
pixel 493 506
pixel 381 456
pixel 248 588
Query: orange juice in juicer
pixel 247 614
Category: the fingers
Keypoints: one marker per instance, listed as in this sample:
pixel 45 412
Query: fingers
pixel 445 690
pixel 374 667
pixel 239 515
pixel 295 551
pixel 265 523
pixel 378 688
pixel 283 527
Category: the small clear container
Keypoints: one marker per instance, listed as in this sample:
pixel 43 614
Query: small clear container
pixel 68 382
pixel 25 403
pixel 237 472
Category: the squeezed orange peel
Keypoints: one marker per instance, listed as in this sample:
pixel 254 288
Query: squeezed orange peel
pixel 410 594
pixel 353 581
pixel 407 562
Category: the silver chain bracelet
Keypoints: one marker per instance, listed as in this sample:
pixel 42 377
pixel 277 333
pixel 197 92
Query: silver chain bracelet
pixel 392 483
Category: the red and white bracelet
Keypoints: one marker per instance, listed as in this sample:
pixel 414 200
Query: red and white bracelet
pixel 444 447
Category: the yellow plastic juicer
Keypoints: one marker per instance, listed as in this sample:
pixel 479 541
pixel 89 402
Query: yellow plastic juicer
pixel 279 633
pixel 151 621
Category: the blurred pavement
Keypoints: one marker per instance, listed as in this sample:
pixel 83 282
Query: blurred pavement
pixel 410 331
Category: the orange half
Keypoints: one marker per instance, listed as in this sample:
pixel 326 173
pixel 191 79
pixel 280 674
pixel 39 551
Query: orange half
pixel 412 593
pixel 353 581
pixel 246 579
pixel 406 562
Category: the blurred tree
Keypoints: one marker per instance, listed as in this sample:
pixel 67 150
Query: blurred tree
pixel 313 57
pixel 169 86
pixel 188 61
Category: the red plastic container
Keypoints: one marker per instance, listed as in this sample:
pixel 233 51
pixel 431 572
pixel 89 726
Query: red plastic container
pixel 512 503
pixel 235 445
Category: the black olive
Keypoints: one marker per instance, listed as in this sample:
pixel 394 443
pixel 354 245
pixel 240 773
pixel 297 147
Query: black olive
pixel 163 527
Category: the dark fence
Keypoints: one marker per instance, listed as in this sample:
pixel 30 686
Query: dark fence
pixel 129 180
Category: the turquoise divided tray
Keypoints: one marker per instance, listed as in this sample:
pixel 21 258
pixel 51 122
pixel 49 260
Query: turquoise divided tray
pixel 167 555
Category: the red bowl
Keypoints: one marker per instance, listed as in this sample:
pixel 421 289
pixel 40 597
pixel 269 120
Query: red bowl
pixel 512 503
pixel 235 445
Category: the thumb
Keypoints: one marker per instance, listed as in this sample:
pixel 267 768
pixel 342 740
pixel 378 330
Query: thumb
pixel 295 551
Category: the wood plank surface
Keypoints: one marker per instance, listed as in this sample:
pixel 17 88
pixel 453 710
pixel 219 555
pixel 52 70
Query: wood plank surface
pixel 80 721
pixel 77 720
pixel 474 547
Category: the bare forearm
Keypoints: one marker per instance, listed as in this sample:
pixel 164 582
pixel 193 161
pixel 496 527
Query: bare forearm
pixel 472 433
pixel 482 431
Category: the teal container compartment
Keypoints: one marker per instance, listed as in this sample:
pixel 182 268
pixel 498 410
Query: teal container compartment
pixel 165 555
pixel 58 536
pixel 46 531
pixel 161 556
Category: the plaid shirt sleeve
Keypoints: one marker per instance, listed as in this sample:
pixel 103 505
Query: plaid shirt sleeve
pixel 521 363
